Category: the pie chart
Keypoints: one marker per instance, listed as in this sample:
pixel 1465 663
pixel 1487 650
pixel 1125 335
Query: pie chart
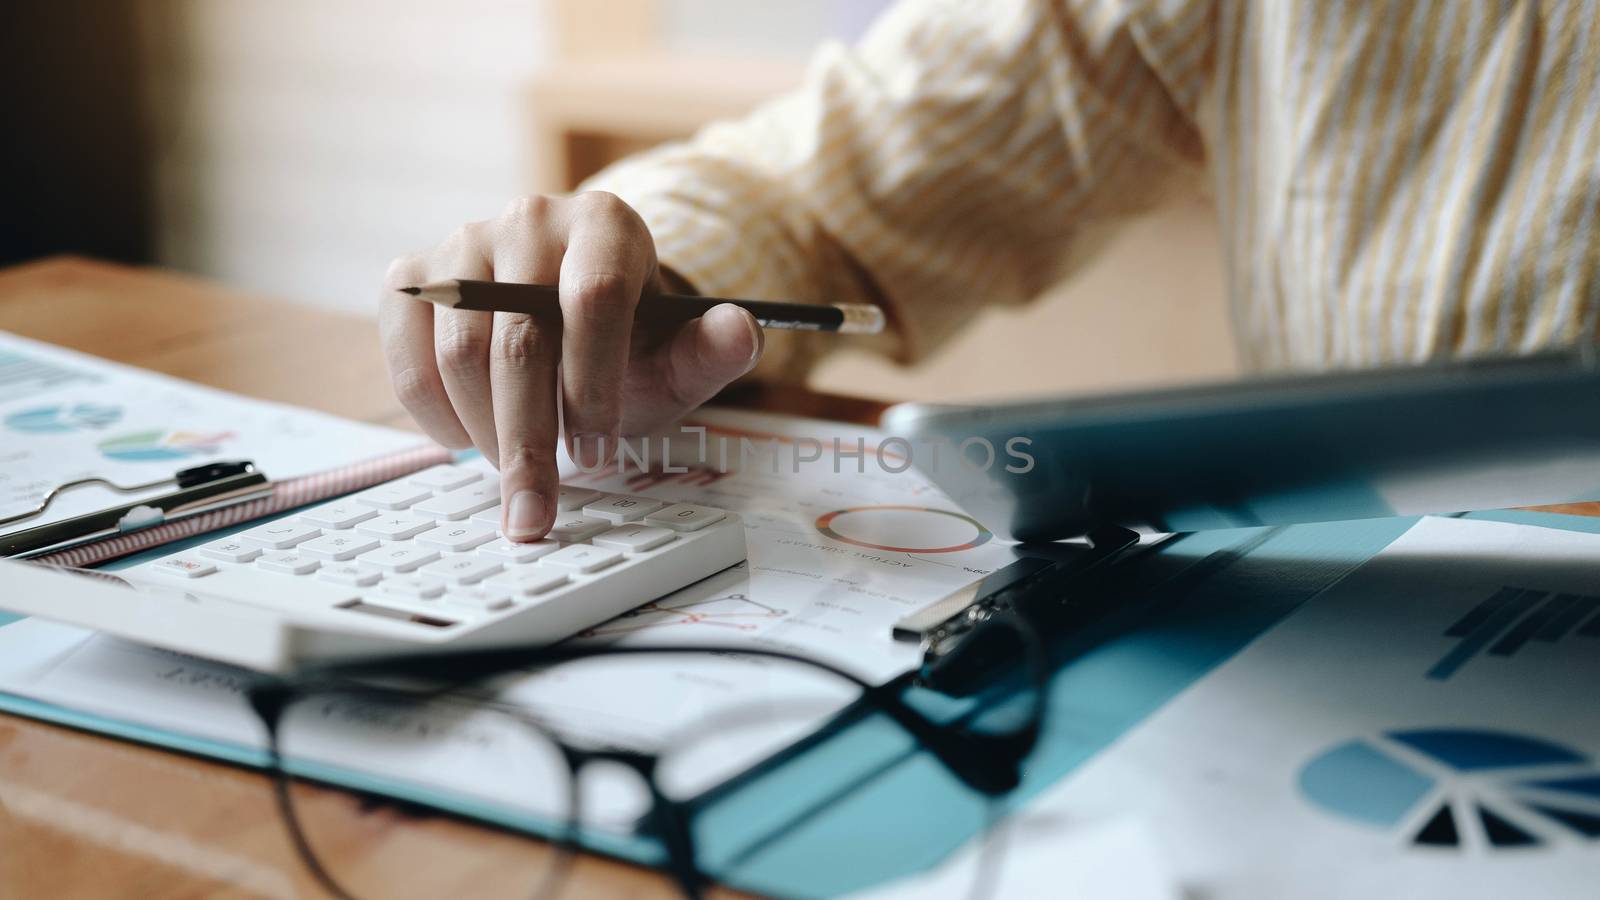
pixel 63 418
pixel 161 444
pixel 1452 789
pixel 903 529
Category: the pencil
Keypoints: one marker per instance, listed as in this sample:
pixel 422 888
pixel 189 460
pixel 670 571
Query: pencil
pixel 542 299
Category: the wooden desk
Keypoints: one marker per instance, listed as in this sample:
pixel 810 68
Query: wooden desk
pixel 86 816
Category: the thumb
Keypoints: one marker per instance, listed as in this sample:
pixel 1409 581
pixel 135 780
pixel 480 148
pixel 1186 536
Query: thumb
pixel 700 359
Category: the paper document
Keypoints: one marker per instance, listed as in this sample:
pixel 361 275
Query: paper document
pixel 834 559
pixel 840 548
pixel 1046 852
pixel 66 416
pixel 1425 728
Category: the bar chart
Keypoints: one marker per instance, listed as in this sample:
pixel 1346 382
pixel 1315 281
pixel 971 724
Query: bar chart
pixel 1512 618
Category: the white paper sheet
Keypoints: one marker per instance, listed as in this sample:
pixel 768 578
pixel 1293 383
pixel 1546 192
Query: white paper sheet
pixel 819 591
pixel 1046 851
pixel 66 416
pixel 1312 764
pixel 840 549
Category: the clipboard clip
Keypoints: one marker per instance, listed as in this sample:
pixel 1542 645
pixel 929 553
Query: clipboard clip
pixel 185 478
pixel 196 489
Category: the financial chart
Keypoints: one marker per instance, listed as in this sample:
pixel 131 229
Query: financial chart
pixel 1430 787
pixel 65 416
pixel 1425 727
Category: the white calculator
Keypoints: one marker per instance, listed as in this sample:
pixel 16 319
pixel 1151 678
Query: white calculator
pixel 413 564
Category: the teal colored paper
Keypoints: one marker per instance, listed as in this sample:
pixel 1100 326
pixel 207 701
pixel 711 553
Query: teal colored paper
pixel 1587 524
pixel 902 813
pixel 861 806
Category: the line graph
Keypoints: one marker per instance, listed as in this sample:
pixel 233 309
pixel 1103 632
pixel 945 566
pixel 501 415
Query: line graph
pixel 736 611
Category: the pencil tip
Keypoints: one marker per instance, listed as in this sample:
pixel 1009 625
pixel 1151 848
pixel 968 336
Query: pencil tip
pixel 413 291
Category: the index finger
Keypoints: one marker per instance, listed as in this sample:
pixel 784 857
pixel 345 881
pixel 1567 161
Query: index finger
pixel 522 371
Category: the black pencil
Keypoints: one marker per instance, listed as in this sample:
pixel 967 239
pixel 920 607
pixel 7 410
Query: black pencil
pixel 542 299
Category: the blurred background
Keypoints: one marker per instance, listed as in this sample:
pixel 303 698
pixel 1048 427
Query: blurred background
pixel 293 147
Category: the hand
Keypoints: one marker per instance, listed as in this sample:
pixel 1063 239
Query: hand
pixel 490 379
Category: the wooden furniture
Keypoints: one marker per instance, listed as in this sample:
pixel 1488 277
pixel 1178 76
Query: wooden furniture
pixel 612 90
pixel 83 816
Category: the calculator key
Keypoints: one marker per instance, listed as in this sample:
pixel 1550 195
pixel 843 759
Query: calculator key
pixel 513 552
pixel 457 536
pixel 394 495
pixel 528 582
pixel 445 478
pixel 349 573
pixel 570 528
pixel 489 518
pixel 462 502
pixel 184 567
pixel 684 517
pixel 622 508
pixel 478 599
pixel 338 547
pixel 634 538
pixel 414 586
pixel 462 569
pixel 230 550
pixel 289 562
pixel 398 557
pixel 256 586
pixel 280 535
pixel 342 514
pixel 571 498
pixel 582 558
pixel 395 526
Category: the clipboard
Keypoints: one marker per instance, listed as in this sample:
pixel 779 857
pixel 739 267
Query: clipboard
pixel 270 497
pixel 197 489
pixel 74 421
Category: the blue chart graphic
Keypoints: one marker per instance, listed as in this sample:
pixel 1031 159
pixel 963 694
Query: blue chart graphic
pixel 1516 616
pixel 1509 791
pixel 63 418
pixel 24 376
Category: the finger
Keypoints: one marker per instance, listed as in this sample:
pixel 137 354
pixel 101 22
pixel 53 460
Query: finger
pixel 609 257
pixel 701 358
pixel 461 339
pixel 522 372
pixel 406 328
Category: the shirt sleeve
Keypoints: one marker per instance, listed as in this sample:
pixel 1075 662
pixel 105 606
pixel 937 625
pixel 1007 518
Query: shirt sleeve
pixel 945 163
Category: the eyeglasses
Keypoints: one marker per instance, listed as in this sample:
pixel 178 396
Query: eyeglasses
pixel 464 715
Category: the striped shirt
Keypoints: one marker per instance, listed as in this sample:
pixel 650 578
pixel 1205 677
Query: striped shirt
pixel 1395 179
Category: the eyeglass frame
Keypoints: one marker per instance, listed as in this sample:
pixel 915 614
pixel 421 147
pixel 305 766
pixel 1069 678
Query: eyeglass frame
pixel 989 764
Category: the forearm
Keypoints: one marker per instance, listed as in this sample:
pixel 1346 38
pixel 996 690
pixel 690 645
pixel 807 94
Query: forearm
pixel 945 164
